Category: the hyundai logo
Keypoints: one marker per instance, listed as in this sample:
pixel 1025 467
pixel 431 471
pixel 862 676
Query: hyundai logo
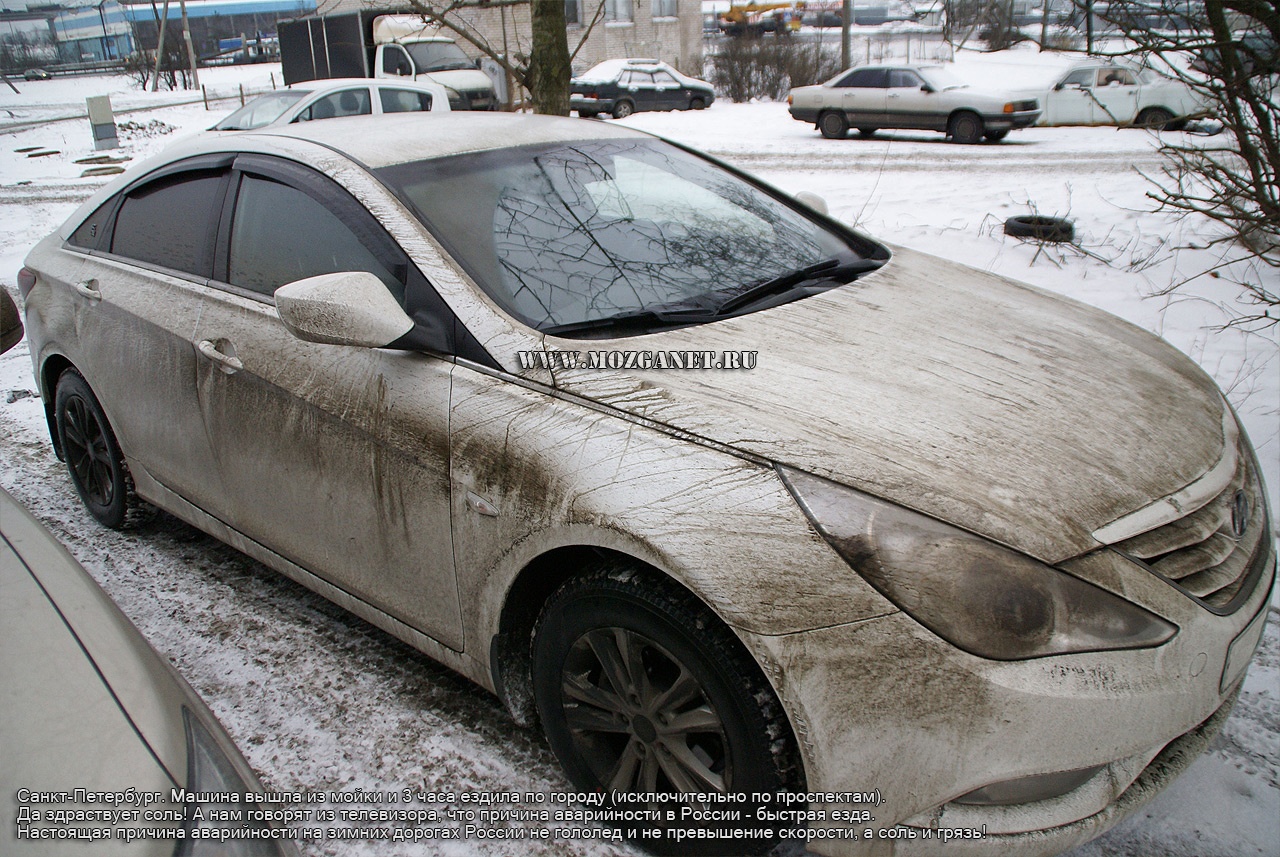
pixel 1239 514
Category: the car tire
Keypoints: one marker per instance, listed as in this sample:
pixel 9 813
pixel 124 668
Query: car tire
pixel 995 136
pixel 1056 230
pixel 1155 118
pixel 833 125
pixel 867 132
pixel 640 688
pixel 623 109
pixel 697 103
pixel 92 454
pixel 965 127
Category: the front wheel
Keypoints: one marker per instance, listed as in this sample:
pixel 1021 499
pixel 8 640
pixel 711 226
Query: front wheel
pixel 641 689
pixel 833 126
pixel 697 103
pixel 965 128
pixel 93 456
pixel 623 109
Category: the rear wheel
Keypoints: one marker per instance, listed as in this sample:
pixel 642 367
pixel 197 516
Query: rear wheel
pixel 93 456
pixel 623 109
pixel 965 127
pixel 640 688
pixel 1156 118
pixel 833 125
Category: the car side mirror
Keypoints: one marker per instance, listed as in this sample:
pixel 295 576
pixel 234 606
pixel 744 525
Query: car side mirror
pixel 926 88
pixel 812 200
pixel 347 308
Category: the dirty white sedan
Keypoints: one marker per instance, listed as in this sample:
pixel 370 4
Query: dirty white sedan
pixel 1108 93
pixel 732 500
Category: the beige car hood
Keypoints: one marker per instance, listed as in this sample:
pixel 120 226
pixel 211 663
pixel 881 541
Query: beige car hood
pixel 1012 412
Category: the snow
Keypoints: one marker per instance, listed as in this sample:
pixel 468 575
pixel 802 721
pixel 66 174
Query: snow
pixel 320 701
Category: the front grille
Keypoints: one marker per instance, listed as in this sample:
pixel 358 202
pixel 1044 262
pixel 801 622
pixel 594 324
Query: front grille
pixel 1207 553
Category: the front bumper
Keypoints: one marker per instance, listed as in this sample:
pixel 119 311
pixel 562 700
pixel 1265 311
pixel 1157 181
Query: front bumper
pixel 885 707
pixel 1010 121
pixel 804 114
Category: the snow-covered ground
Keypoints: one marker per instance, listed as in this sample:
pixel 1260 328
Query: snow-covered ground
pixel 320 701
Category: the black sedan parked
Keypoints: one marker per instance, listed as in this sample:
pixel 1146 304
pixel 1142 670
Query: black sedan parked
pixel 622 87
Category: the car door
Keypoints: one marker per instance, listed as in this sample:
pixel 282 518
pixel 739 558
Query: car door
pixel 907 105
pixel 1115 100
pixel 336 458
pixel 136 278
pixel 862 96
pixel 670 94
pixel 1071 101
pixel 639 86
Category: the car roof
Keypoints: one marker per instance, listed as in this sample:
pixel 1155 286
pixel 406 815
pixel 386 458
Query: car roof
pixel 610 69
pixel 386 140
pixel 342 82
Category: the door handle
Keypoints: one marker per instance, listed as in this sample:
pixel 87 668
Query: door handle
pixel 226 362
pixel 89 289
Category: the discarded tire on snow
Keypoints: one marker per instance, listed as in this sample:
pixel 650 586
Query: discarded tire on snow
pixel 1039 228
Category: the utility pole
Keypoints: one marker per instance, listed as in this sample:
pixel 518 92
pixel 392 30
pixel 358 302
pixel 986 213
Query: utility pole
pixel 163 24
pixel 191 51
pixel 846 34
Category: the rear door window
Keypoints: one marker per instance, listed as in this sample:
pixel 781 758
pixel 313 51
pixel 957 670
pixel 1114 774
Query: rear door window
pixel 172 222
pixel 403 100
pixel 348 102
pixel 865 78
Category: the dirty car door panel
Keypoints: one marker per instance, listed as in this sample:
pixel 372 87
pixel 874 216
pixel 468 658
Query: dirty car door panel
pixel 356 439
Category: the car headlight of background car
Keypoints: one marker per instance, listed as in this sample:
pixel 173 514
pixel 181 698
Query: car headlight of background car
pixel 983 598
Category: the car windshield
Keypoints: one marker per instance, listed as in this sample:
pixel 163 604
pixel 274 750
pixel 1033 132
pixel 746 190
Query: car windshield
pixel 262 110
pixel 940 78
pixel 437 56
pixel 568 235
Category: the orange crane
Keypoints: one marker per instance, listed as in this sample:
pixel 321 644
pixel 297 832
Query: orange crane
pixel 756 18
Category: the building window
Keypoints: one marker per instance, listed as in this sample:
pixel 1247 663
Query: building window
pixel 664 8
pixel 618 10
pixel 572 12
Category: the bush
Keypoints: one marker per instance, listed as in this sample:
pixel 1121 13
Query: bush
pixel 767 67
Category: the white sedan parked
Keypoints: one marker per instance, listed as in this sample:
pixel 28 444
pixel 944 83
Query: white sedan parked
pixel 330 99
pixel 928 98
pixel 1101 93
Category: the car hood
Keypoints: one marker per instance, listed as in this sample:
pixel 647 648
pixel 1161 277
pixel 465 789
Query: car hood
pixel 1015 413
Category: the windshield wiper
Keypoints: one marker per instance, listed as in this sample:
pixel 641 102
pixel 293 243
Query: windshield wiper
pixel 644 318
pixel 829 269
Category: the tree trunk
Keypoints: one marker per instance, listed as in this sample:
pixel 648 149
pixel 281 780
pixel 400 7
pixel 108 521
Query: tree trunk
pixel 549 59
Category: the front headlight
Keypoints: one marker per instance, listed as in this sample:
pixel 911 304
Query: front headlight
pixel 984 598
pixel 210 771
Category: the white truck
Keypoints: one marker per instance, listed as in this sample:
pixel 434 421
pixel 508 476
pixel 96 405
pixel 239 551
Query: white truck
pixel 377 44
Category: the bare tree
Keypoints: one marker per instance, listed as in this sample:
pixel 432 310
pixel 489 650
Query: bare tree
pixel 1231 179
pixel 542 67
